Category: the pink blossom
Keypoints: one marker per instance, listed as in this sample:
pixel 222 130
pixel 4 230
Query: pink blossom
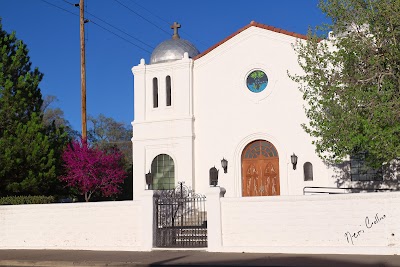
pixel 90 169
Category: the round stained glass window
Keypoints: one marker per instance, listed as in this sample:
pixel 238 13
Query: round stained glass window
pixel 257 81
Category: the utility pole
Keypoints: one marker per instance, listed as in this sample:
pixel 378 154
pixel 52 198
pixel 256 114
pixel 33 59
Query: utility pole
pixel 83 69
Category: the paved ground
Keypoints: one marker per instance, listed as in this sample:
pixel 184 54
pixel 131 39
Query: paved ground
pixel 68 258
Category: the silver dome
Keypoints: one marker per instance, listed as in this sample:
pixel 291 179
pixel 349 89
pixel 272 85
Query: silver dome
pixel 173 49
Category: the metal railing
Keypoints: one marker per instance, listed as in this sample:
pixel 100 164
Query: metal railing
pixel 317 190
pixel 181 219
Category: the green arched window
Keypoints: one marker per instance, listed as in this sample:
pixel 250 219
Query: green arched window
pixel 163 170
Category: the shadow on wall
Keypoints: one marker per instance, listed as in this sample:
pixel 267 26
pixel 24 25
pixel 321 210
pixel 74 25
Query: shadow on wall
pixel 389 178
pixel 291 260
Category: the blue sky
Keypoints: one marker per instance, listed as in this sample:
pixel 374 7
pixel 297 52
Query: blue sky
pixel 52 36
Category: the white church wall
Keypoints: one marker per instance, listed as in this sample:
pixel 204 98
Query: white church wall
pixel 92 226
pixel 165 129
pixel 329 224
pixel 181 83
pixel 171 137
pixel 139 95
pixel 228 116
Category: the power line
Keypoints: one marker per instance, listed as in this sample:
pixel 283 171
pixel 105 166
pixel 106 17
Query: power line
pixel 168 23
pixel 120 30
pixel 71 3
pixel 143 17
pixel 75 5
pixel 112 26
pixel 60 8
pixel 98 25
pixel 160 18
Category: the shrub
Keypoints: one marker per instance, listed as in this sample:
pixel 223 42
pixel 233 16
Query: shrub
pixel 18 200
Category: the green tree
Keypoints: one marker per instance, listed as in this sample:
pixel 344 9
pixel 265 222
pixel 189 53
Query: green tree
pixel 29 151
pixel 106 133
pixel 351 82
pixel 56 115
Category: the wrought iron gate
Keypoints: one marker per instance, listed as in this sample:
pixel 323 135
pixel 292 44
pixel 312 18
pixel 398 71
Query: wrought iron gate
pixel 181 218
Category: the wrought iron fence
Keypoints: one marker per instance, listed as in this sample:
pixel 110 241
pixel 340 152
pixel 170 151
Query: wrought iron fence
pixel 181 218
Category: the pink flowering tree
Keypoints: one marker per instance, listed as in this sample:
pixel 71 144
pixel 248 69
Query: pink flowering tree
pixel 90 169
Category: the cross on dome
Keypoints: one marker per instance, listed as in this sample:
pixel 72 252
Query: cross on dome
pixel 173 48
pixel 175 26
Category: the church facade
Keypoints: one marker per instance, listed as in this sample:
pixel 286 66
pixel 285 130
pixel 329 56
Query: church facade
pixel 234 102
pixel 232 111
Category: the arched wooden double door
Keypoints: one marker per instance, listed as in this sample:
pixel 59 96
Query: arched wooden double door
pixel 260 169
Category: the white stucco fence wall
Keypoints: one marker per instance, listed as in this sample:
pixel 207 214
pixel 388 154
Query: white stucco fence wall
pixel 93 226
pixel 331 224
pixel 365 223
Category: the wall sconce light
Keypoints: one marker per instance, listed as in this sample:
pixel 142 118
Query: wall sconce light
pixel 224 164
pixel 293 159
pixel 213 176
pixel 149 179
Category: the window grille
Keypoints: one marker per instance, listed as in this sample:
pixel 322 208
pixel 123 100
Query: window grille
pixel 259 147
pixel 360 171
pixel 163 170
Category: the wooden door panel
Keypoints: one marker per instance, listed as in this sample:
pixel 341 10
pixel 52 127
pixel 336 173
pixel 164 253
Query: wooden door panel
pixel 250 178
pixel 270 176
pixel 260 170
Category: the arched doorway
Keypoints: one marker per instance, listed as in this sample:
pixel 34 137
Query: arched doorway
pixel 260 169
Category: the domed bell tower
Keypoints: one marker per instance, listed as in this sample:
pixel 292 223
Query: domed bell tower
pixel 163 126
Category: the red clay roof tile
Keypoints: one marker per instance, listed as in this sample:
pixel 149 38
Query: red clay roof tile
pixel 255 24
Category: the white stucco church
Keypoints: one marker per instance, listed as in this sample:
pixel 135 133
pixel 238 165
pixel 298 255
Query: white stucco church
pixel 233 104
pixel 234 101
